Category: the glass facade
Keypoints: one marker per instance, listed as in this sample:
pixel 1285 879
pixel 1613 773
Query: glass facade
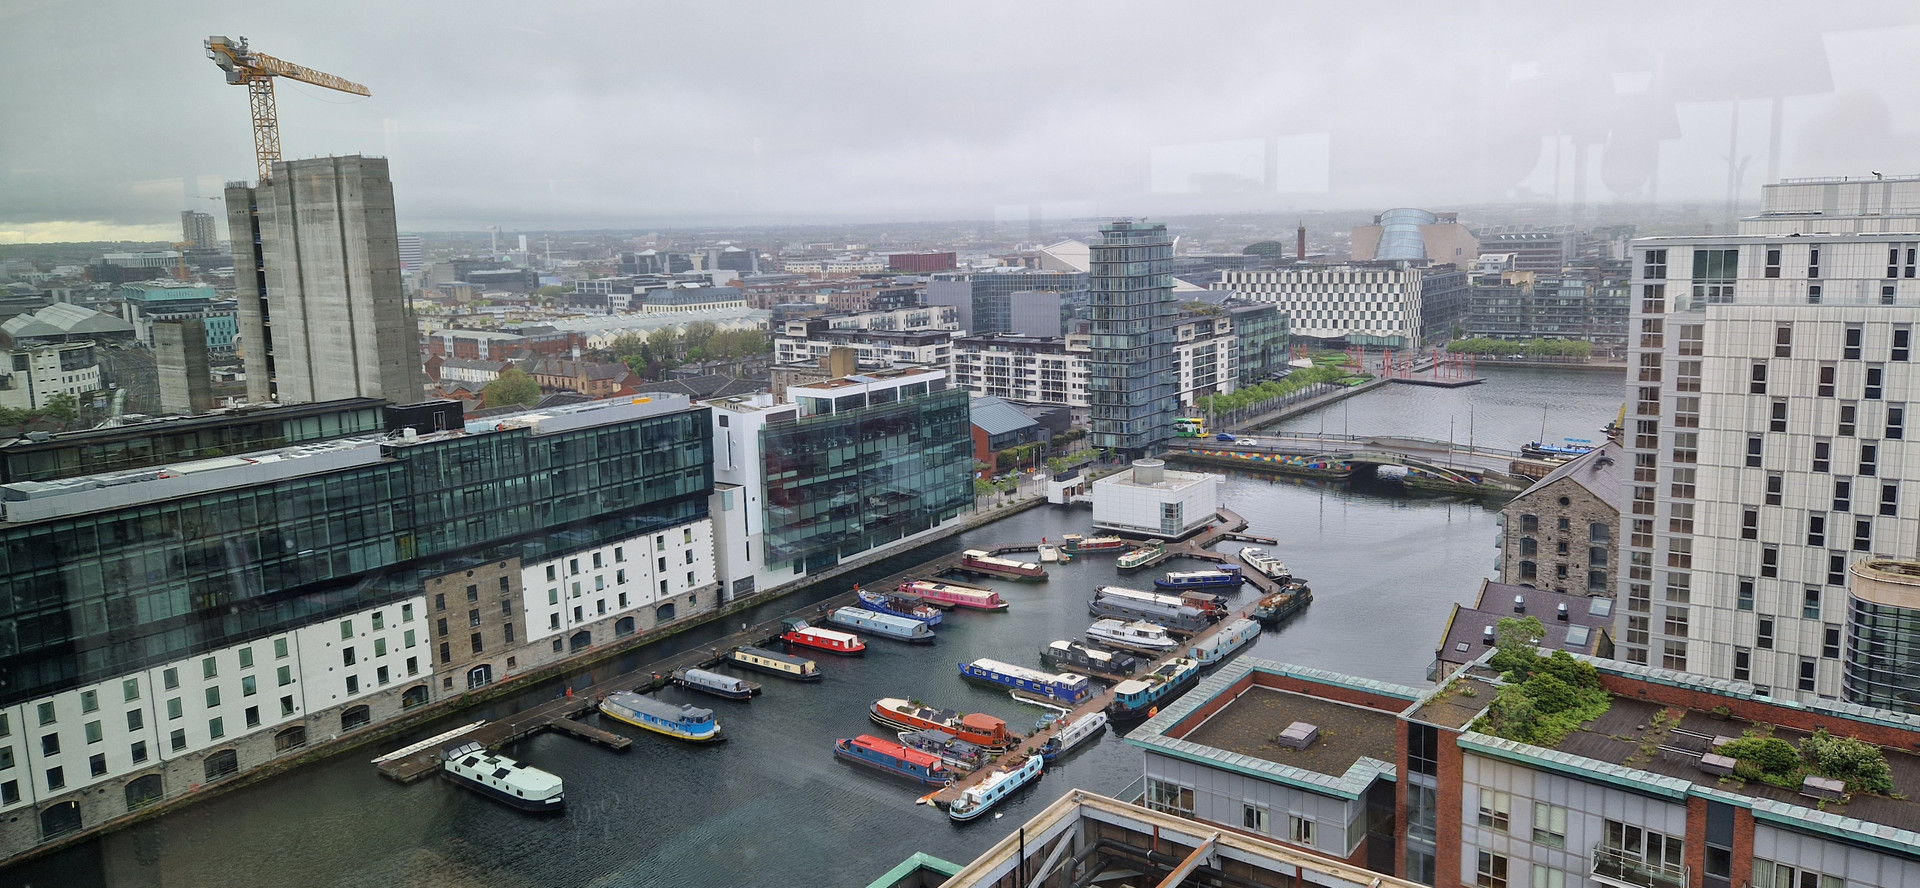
pixel 152 444
pixel 1882 667
pixel 844 482
pixel 1131 381
pixel 1260 343
pixel 89 596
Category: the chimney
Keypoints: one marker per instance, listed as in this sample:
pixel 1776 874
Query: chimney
pixel 1300 243
pixel 1562 612
pixel 1486 635
pixel 1519 604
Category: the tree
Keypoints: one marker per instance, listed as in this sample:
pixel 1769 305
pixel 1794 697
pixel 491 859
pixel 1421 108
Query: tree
pixel 62 406
pixel 665 343
pixel 512 388
pixel 698 334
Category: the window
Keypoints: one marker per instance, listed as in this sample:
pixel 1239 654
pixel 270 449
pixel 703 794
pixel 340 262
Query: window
pixel 1851 349
pixel 1869 459
pixel 1775 483
pixel 253 716
pixel 1825 389
pixel 473 592
pixel 177 739
pixel 56 778
pixel 1299 829
pixel 552 574
pixel 1744 596
pixel 509 633
pixel 1896 423
pixel 1902 336
pixel 1654 265
pixel 129 691
pixel 138 751
pixel 1676 624
pixel 1757 382
pixel 440 599
pixel 1772 269
pixel 1847 424
pixel 1890 500
pixel 1816 530
pixel 1836 569
pixel 348 657
pixel 1170 798
pixel 441 625
pixel 286 705
pixel 136 719
pixel 379 647
pixel 1806 673
pixel 1490 870
pixel 1767 874
pixel 1494 809
pixel 1769 561
pixel 1813 262
pixel 446 653
pixel 1742 664
pixel 353 684
pixel 169 679
pixel 209 668
pixel 89 701
pixel 346 629
pixel 475 638
pixel 213 697
pixel 247 686
pixel 173 708
pixel 1549 825
pixel 1874 375
pixel 506 607
pixel 1254 818
pixel 379 623
pixel 285 675
pixel 1763 634
pixel 1842 495
pixel 1779 422
pixel 473 618
pixel 280 646
pixel 1810 604
pixel 1862 534
pixel 406 613
pixel 1822 456
pixel 10 792
pixel 216 728
pixel 1830 642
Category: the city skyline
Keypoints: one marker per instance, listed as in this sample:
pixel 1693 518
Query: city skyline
pixel 565 122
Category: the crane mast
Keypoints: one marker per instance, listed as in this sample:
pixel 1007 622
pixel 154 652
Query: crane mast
pixel 256 71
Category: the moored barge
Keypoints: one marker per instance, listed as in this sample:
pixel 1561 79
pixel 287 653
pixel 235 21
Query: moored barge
pixel 716 684
pixel 502 779
pixel 978 728
pixel 900 606
pixel 1232 637
pixel 1276 608
pixel 1170 611
pixel 787 665
pixel 800 632
pixel 893 758
pixel 690 723
pixel 959 755
pixel 1071 731
pixel 904 629
pixel 1072 656
pixel 1138 636
pixel 1030 684
pixel 976 799
pixel 1146 556
pixel 1264 562
pixel 953 595
pixel 1075 544
pixel 981 561
pixel 1224 577
pixel 1139 698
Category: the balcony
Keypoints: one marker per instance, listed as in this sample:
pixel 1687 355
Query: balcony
pixel 1621 870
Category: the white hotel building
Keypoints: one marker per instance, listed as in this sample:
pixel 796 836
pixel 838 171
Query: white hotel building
pixel 1372 303
pixel 1767 408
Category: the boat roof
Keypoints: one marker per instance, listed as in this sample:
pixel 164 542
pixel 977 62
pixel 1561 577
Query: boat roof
pixel 659 708
pixel 703 675
pixel 905 753
pixel 774 655
pixel 1006 668
pixel 982 721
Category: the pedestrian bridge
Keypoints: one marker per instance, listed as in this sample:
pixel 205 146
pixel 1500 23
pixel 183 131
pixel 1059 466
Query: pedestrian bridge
pixel 1440 465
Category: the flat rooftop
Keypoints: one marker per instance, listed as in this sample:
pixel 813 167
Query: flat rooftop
pixel 1674 751
pixel 1248 726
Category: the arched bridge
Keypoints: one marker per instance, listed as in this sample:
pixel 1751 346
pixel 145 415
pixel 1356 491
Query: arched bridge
pixel 1427 463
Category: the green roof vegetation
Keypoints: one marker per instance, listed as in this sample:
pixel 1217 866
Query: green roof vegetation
pixel 1546 697
pixel 1758 755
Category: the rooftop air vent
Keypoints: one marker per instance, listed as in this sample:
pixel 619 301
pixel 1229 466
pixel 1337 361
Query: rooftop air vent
pixel 1560 613
pixel 1519 604
pixel 1486 635
pixel 1714 763
pixel 1298 735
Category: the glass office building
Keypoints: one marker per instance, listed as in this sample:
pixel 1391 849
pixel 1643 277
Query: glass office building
pixel 106 574
pixel 1131 380
pixel 868 459
pixel 1882 664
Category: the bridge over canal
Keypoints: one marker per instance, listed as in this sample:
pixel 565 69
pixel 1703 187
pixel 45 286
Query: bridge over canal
pixel 1427 463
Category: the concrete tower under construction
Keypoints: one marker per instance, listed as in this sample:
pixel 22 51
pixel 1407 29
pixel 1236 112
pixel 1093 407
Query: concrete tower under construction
pixel 317 262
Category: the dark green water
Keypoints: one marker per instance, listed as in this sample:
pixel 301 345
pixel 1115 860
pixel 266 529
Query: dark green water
pixel 772 806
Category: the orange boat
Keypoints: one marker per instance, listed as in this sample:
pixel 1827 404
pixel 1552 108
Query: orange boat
pixel 976 728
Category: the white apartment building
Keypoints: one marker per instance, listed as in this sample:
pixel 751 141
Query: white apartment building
pixel 617 589
pixel 1026 369
pixel 32 374
pixel 1369 303
pixel 1768 391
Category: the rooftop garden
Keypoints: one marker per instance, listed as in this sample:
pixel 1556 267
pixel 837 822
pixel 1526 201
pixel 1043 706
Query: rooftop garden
pixel 1545 698
pixel 1758 755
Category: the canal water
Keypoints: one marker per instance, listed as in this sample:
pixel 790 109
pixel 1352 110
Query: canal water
pixel 772 806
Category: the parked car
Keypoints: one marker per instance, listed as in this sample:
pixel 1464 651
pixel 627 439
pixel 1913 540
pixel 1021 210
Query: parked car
pixel 1223 436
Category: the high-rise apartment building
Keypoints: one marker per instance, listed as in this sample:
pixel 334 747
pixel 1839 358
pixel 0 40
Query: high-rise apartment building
pixel 412 253
pixel 197 230
pixel 317 276
pixel 1769 383
pixel 1131 377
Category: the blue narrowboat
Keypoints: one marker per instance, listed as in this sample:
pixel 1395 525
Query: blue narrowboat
pixel 900 606
pixel 1224 577
pixel 893 758
pixel 1029 683
pixel 1138 698
pixel 690 723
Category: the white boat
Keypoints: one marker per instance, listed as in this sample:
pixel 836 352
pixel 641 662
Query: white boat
pixel 1071 732
pixel 1049 554
pixel 1236 634
pixel 498 777
pixel 1139 635
pixel 1266 564
pixel 976 799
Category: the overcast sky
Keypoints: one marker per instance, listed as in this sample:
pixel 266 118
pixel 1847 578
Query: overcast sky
pixel 630 114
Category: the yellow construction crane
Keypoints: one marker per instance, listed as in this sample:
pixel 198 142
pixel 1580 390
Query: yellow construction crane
pixel 257 71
